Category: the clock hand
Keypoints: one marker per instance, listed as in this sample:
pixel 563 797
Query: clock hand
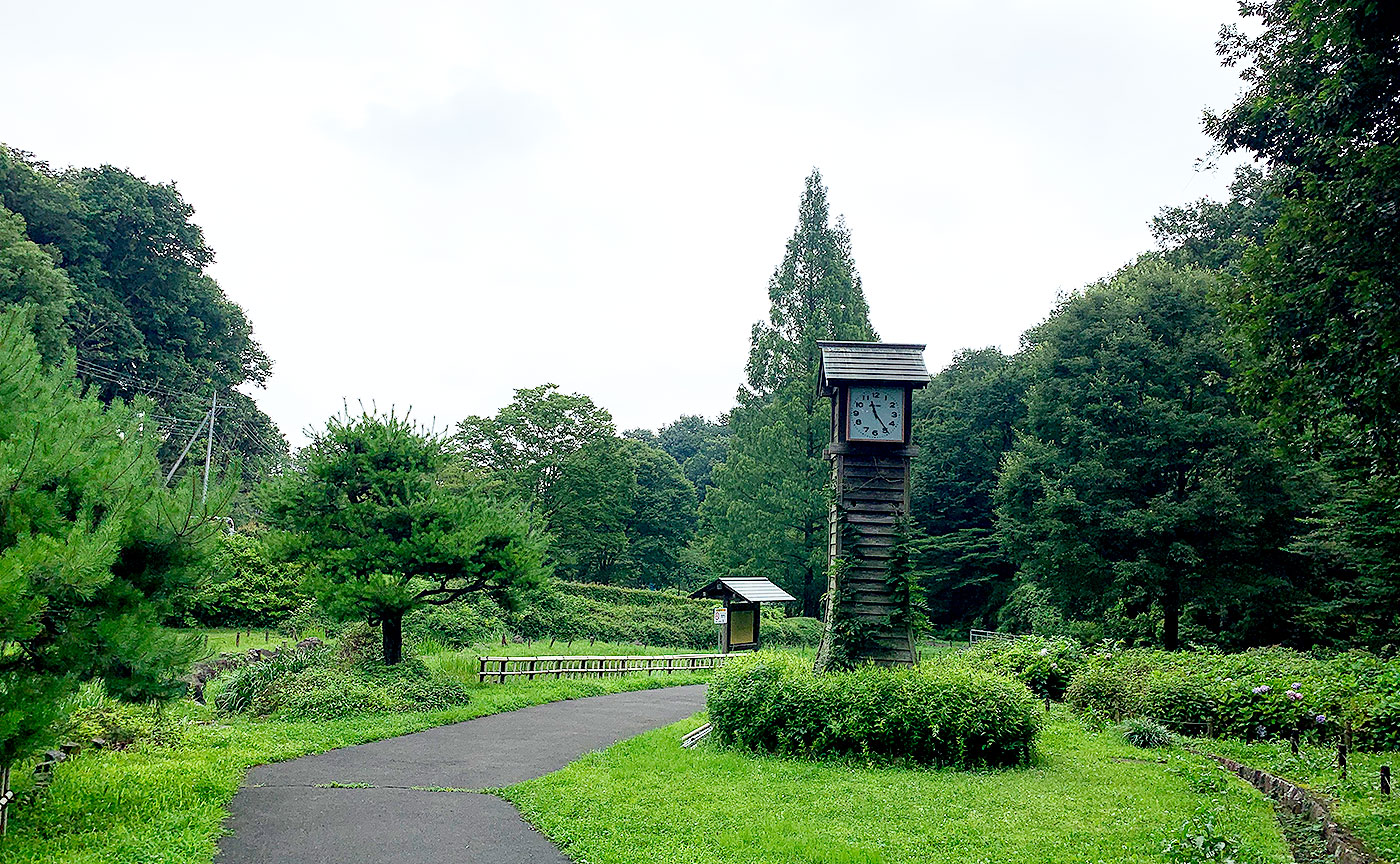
pixel 877 417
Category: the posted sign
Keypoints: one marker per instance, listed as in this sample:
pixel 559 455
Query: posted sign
pixel 721 616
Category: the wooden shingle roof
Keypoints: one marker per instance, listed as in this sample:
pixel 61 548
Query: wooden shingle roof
pixel 849 362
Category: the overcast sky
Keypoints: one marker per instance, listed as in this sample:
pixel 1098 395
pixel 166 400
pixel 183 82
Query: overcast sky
pixel 432 204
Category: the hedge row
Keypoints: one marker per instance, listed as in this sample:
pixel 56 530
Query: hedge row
pixel 935 714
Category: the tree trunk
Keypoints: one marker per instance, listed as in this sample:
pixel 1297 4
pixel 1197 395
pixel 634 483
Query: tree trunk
pixel 1171 617
pixel 393 638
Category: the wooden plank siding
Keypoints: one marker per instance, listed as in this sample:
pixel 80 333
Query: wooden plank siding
pixel 871 493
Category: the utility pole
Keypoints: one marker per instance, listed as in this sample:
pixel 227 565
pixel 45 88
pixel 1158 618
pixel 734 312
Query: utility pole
pixel 209 446
pixel 188 444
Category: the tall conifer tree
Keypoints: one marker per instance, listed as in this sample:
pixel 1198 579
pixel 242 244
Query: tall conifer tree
pixel 767 512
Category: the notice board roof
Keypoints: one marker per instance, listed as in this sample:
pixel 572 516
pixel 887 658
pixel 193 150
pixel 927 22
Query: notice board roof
pixel 843 362
pixel 752 590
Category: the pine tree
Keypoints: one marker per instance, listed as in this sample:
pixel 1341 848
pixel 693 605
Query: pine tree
pixel 767 513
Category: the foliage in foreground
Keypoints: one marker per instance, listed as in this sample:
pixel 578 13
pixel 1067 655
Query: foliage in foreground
pixel 92 546
pixel 1088 798
pixel 933 714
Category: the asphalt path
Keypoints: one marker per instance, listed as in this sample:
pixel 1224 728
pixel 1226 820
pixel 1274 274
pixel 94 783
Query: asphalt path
pixel 404 800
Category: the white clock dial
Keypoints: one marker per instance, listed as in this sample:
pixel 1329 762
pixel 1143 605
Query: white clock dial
pixel 875 414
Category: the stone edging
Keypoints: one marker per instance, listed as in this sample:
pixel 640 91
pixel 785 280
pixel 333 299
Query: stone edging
pixel 1341 843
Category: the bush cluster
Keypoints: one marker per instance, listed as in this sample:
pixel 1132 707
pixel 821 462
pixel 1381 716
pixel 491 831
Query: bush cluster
pixel 91 714
pixel 1263 693
pixel 934 714
pixel 462 624
pixel 1045 665
pixel 244 587
pixel 322 684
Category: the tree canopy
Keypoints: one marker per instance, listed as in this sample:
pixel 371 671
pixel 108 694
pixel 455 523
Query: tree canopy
pixel 766 514
pixel 141 313
pixel 380 534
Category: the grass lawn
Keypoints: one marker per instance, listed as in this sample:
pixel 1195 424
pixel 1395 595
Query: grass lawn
pixel 1373 817
pixel 165 804
pixel 1090 798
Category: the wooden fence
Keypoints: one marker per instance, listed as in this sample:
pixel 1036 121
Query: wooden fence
pixel 593 666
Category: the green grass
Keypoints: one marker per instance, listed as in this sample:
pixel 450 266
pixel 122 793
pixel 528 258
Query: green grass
pixel 1089 798
pixel 165 805
pixel 222 639
pixel 1360 806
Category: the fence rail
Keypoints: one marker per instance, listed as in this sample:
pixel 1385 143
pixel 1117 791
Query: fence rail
pixel 983 635
pixel 593 666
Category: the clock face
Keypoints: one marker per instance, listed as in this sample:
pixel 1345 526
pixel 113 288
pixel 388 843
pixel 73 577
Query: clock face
pixel 875 414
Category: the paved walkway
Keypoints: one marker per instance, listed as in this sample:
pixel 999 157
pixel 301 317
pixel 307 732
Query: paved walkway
pixel 284 814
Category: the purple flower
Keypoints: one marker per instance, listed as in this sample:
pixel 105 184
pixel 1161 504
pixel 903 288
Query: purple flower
pixel 1296 685
pixel 1294 695
pixel 1261 689
pixel 1261 732
pixel 1321 719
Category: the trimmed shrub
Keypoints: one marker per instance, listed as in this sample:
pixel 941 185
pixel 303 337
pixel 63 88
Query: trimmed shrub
pixel 574 610
pixel 778 630
pixel 945 714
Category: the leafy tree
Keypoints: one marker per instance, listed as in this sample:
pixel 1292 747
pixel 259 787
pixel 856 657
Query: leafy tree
pixel 663 516
pixel 1320 301
pixel 93 550
pixel 144 316
pixel 588 509
pixel 698 445
pixel 558 455
pixel 245 587
pixel 380 534
pixel 526 445
pixel 964 424
pixel 767 511
pixel 1213 235
pixel 28 276
pixel 1138 480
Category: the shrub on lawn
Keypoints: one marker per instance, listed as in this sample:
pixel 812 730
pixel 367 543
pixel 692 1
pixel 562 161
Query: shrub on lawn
pixel 945 714
pixel 91 714
pixel 1105 692
pixel 1146 733
pixel 1044 665
pixel 319 684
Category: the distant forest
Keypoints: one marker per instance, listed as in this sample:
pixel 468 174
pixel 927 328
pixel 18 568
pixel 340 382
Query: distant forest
pixel 1203 447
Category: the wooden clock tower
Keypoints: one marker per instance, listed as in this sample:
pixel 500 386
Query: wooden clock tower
pixel 871 386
